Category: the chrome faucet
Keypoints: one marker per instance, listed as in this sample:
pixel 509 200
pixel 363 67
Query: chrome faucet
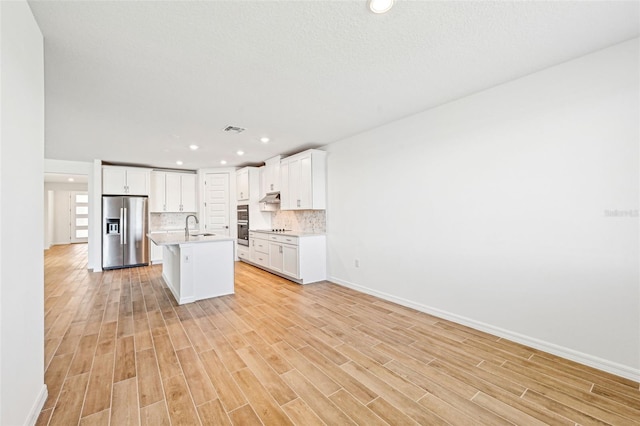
pixel 186 224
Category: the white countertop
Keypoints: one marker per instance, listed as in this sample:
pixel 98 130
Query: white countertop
pixel 175 238
pixel 289 233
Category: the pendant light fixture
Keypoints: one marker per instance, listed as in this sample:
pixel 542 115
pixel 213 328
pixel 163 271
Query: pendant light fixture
pixel 380 6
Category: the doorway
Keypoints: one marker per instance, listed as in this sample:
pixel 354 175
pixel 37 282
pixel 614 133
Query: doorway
pixel 66 208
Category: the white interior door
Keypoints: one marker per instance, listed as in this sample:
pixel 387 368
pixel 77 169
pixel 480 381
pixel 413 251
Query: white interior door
pixel 216 198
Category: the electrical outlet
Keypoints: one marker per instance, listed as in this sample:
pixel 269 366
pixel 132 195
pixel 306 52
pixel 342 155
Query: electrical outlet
pixel 357 262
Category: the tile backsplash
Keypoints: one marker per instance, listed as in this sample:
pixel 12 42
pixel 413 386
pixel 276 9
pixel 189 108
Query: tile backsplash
pixel 296 220
pixel 161 221
pixel 300 220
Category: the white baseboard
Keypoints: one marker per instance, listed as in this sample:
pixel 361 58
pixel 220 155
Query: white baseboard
pixel 37 406
pixel 561 351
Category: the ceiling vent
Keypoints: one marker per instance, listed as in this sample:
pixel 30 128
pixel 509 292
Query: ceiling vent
pixel 234 129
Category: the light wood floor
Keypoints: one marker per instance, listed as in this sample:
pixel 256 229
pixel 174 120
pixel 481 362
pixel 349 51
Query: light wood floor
pixel 119 351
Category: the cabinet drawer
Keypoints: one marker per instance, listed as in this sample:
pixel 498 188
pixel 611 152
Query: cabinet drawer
pixel 243 253
pixel 258 235
pixel 286 239
pixel 261 259
pixel 261 246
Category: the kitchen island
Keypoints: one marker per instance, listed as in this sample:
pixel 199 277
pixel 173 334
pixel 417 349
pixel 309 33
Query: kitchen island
pixel 197 267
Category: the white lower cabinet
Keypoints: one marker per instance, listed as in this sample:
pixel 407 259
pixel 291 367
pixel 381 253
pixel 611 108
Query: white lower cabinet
pixel 259 249
pixel 275 256
pixel 243 252
pixel 290 260
pixel 300 258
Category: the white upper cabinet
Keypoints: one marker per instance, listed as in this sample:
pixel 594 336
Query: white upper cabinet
pixel 125 180
pixel 264 190
pixel 173 192
pixel 156 197
pixel 242 184
pixel 271 177
pixel 303 181
pixel 189 191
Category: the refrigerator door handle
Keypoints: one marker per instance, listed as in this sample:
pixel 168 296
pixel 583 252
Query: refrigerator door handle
pixel 121 228
pixel 125 230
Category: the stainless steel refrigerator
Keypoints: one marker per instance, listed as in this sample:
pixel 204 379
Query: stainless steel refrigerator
pixel 124 232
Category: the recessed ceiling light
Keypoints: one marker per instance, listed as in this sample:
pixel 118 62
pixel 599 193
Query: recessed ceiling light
pixel 380 6
pixel 193 147
pixel 264 140
pixel 240 152
pixel 179 163
pixel 71 179
pixel 223 162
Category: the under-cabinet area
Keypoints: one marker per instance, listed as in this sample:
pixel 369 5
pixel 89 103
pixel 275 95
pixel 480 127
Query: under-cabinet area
pixel 298 256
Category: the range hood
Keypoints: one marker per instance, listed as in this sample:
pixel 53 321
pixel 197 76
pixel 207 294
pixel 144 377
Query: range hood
pixel 271 198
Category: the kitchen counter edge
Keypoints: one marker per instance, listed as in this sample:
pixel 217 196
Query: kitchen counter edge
pixel 290 233
pixel 170 239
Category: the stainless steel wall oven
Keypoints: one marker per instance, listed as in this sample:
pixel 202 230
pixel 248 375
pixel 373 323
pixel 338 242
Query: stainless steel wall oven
pixel 243 224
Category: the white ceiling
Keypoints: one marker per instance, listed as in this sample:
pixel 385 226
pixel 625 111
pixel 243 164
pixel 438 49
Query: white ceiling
pixel 138 81
pixel 64 178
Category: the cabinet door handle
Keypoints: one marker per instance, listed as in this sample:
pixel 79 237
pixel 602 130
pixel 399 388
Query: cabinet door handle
pixel 280 247
pixel 272 187
pixel 298 203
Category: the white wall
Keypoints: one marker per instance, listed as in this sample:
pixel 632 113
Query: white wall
pixel 49 214
pixel 61 218
pixel 66 167
pixel 22 389
pixel 491 210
